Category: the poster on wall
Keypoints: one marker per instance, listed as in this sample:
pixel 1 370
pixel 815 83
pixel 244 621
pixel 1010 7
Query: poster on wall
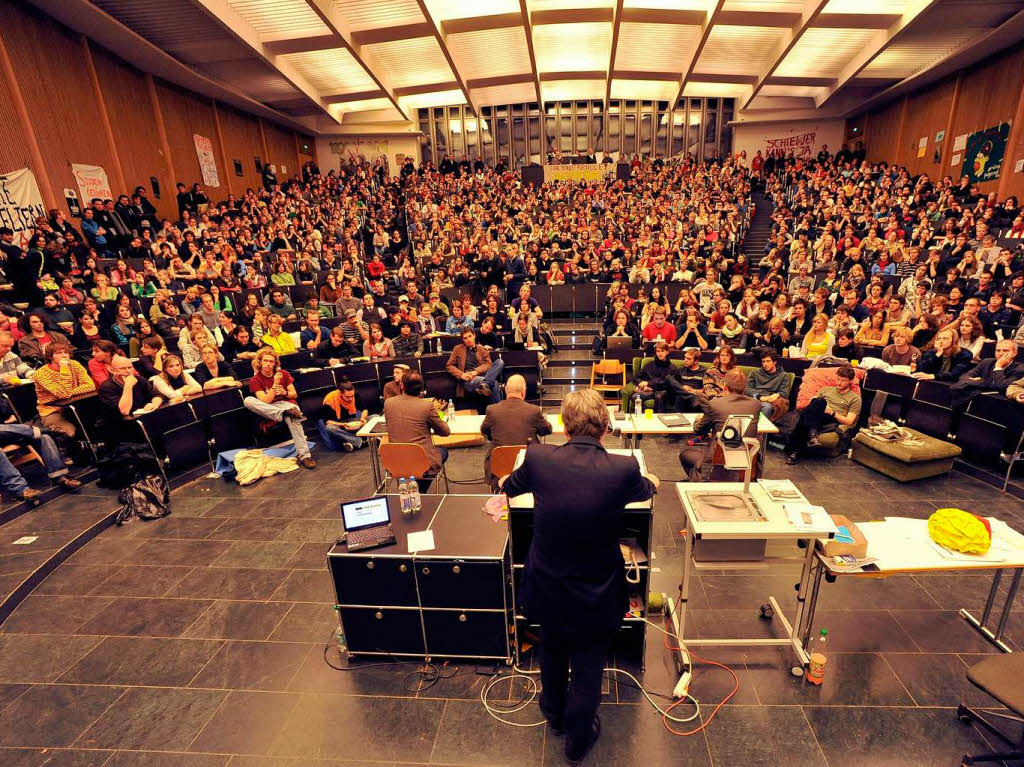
pixel 20 203
pixel 984 153
pixel 207 163
pixel 71 198
pixel 800 144
pixel 92 182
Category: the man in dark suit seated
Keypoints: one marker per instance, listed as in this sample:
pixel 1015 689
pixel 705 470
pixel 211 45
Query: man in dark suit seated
pixel 988 375
pixel 514 421
pixel 574 583
pixel 735 402
pixel 411 419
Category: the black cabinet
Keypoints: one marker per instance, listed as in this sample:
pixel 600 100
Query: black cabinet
pixel 454 600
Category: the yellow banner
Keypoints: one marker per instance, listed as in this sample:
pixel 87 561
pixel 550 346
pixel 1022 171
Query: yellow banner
pixel 588 172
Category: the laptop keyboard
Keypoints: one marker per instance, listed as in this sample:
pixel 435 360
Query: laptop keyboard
pixel 369 534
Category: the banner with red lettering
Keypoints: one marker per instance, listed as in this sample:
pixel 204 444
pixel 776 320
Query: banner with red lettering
pixel 207 163
pixel 801 145
pixel 92 183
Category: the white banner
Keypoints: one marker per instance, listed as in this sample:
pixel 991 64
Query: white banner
pixel 20 203
pixel 207 163
pixel 92 183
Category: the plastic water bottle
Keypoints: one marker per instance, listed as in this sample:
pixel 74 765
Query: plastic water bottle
pixel 339 639
pixel 414 495
pixel 451 410
pixel 638 405
pixel 816 670
pixel 403 495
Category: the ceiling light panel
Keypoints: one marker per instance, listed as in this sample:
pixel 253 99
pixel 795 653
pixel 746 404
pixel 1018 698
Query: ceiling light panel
pixel 915 51
pixel 671 5
pixel 655 47
pixel 519 93
pixel 739 50
pixel 568 90
pixel 824 52
pixel 368 105
pixel 490 53
pixel 779 6
pixel 645 90
pixel 580 47
pixel 806 91
pixel 412 62
pixel 280 19
pixel 443 10
pixel 866 6
pixel 716 90
pixel 433 99
pixel 332 71
pixel 559 5
pixel 375 14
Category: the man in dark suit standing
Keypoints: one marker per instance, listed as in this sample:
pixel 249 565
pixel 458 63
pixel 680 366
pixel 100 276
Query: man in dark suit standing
pixel 735 402
pixel 514 421
pixel 574 583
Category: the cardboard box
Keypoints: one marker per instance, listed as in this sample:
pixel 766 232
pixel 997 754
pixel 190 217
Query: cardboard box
pixel 833 548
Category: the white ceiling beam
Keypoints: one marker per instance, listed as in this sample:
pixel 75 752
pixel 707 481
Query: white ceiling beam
pixel 442 41
pixel 241 30
pixel 811 10
pixel 880 41
pixel 339 27
pixel 709 22
pixel 524 13
pixel 616 24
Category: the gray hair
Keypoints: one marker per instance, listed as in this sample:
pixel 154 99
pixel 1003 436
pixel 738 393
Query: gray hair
pixel 585 414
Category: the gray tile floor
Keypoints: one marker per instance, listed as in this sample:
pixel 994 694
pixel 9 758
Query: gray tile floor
pixel 199 640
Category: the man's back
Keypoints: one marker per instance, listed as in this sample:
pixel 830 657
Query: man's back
pixel 720 408
pixel 514 422
pixel 410 419
pixel 574 567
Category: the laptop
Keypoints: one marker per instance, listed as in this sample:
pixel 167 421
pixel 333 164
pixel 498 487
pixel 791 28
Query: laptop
pixel 675 420
pixel 620 342
pixel 367 523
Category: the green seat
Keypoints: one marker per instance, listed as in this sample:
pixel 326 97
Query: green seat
pixel 903 462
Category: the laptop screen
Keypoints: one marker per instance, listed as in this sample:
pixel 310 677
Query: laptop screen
pixel 365 513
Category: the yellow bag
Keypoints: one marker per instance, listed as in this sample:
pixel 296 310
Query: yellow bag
pixel 960 531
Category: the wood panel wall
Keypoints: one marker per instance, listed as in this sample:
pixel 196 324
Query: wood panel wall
pixel 51 71
pixel 979 97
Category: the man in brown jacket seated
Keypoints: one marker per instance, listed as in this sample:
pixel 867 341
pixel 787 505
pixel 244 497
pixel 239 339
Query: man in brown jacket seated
pixel 411 419
pixel 472 368
pixel 512 422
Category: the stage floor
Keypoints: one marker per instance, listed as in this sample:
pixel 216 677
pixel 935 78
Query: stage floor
pixel 198 640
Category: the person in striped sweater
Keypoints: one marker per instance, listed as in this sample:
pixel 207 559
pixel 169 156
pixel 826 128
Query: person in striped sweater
pixel 60 378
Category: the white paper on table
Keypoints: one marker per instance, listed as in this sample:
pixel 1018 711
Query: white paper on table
pixel 906 528
pixel 960 142
pixel 421 541
pixel 782 490
pixel 807 516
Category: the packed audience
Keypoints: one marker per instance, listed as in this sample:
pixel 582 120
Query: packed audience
pixel 864 263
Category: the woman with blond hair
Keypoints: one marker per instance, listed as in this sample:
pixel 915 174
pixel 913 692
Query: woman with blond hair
pixel 174 382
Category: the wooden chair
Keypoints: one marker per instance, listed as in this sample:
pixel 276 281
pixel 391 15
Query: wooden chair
pixel 402 459
pixel 29 455
pixel 608 370
pixel 503 460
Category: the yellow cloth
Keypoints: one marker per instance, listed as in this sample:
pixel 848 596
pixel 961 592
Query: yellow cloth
pixel 960 531
pixel 251 465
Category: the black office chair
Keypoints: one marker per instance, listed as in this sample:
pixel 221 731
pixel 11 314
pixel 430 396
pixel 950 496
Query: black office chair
pixel 1002 677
